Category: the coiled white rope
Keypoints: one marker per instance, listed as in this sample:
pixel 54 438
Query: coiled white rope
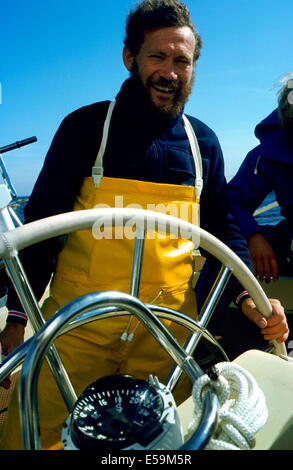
pixel 242 407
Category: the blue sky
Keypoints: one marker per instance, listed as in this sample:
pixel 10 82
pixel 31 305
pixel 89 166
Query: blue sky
pixel 58 55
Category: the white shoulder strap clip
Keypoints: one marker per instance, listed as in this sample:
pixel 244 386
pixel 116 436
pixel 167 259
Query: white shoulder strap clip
pixel 196 156
pixel 98 169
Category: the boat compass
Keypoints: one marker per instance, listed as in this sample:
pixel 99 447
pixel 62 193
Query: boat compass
pixel 122 412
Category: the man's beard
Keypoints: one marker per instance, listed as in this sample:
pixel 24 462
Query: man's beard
pixel 167 112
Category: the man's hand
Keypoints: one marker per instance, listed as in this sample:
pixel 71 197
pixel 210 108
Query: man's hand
pixel 275 327
pixel 263 258
pixel 10 338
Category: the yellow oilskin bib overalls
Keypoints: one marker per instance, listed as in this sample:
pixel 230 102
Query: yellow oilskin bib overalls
pixel 85 265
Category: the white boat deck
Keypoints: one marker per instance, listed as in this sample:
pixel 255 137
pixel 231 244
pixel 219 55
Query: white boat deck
pixel 282 289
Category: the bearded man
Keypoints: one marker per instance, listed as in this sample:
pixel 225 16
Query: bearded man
pixel 139 148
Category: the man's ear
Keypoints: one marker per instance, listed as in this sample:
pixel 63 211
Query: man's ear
pixel 127 58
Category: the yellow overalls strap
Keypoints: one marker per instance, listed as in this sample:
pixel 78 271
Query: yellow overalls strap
pixel 98 170
pixel 196 156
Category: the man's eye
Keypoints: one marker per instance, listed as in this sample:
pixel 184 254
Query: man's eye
pixel 155 56
pixel 183 61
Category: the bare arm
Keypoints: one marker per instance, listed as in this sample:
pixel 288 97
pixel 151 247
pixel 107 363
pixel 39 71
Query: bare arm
pixel 10 338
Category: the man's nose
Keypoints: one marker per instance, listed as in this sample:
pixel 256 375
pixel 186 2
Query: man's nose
pixel 168 70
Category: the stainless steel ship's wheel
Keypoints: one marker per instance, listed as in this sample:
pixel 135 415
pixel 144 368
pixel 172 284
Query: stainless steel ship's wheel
pixel 98 306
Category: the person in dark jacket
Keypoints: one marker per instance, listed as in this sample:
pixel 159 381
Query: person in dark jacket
pixel 267 168
pixel 147 158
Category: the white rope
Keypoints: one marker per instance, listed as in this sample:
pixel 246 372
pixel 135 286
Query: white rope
pixel 242 407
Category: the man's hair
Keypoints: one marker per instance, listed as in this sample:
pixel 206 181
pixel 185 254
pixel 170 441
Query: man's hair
pixel 150 15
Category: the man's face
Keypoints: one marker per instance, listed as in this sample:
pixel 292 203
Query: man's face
pixel 164 65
